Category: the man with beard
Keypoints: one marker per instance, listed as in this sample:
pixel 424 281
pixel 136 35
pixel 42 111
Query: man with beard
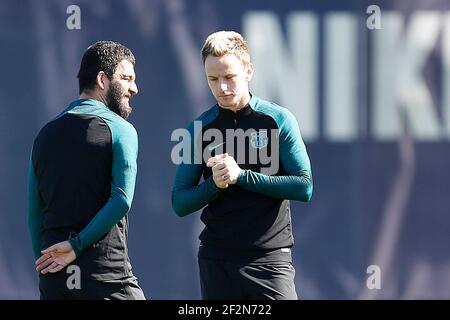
pixel 81 184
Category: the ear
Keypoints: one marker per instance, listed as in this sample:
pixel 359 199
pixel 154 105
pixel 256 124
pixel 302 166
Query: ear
pixel 101 80
pixel 250 71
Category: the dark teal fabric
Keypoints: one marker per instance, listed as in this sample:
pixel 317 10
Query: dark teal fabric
pixel 35 212
pixel 124 170
pixel 187 195
pixel 297 185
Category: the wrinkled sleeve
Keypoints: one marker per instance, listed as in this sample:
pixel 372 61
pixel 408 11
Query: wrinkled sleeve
pixel 297 184
pixel 188 195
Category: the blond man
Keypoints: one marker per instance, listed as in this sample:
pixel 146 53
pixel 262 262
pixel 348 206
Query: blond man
pixel 254 166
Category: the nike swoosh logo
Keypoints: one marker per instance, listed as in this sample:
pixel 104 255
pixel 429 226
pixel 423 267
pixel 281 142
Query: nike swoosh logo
pixel 210 147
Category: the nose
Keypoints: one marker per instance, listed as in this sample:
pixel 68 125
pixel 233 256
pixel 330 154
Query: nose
pixel 223 86
pixel 133 88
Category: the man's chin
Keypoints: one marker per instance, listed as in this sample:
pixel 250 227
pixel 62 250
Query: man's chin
pixel 122 110
pixel 229 106
pixel 125 111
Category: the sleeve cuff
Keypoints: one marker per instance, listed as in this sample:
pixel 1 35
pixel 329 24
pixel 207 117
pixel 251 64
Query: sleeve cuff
pixel 241 177
pixel 74 241
pixel 212 184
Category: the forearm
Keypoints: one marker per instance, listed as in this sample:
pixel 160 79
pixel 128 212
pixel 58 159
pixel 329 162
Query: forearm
pixel 188 199
pixel 291 187
pixel 109 215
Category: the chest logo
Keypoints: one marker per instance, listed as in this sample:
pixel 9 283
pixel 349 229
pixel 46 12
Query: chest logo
pixel 259 139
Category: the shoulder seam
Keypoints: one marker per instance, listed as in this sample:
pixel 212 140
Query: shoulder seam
pixel 277 110
pixel 207 113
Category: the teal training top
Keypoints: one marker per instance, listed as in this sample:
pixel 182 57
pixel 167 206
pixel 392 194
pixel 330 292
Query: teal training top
pixel 81 185
pixel 252 215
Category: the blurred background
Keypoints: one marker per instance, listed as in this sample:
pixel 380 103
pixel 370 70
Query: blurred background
pixel 369 87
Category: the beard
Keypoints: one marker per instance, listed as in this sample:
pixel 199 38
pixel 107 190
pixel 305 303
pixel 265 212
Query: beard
pixel 116 101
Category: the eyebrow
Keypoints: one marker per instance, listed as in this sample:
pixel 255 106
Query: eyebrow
pixel 124 75
pixel 226 75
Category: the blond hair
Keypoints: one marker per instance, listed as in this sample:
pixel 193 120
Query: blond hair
pixel 222 43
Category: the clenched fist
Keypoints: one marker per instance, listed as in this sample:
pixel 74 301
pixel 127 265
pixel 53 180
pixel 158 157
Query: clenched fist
pixel 225 170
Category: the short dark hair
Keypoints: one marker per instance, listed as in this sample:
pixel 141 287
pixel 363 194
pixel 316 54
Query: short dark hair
pixel 101 56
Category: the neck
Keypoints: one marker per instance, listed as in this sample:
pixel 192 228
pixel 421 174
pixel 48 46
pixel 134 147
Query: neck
pixel 93 95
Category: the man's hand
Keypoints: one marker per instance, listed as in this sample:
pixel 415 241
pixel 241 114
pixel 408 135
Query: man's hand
pixel 216 163
pixel 55 258
pixel 225 170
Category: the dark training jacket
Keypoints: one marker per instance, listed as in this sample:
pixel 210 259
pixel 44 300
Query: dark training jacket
pixel 251 219
pixel 81 184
